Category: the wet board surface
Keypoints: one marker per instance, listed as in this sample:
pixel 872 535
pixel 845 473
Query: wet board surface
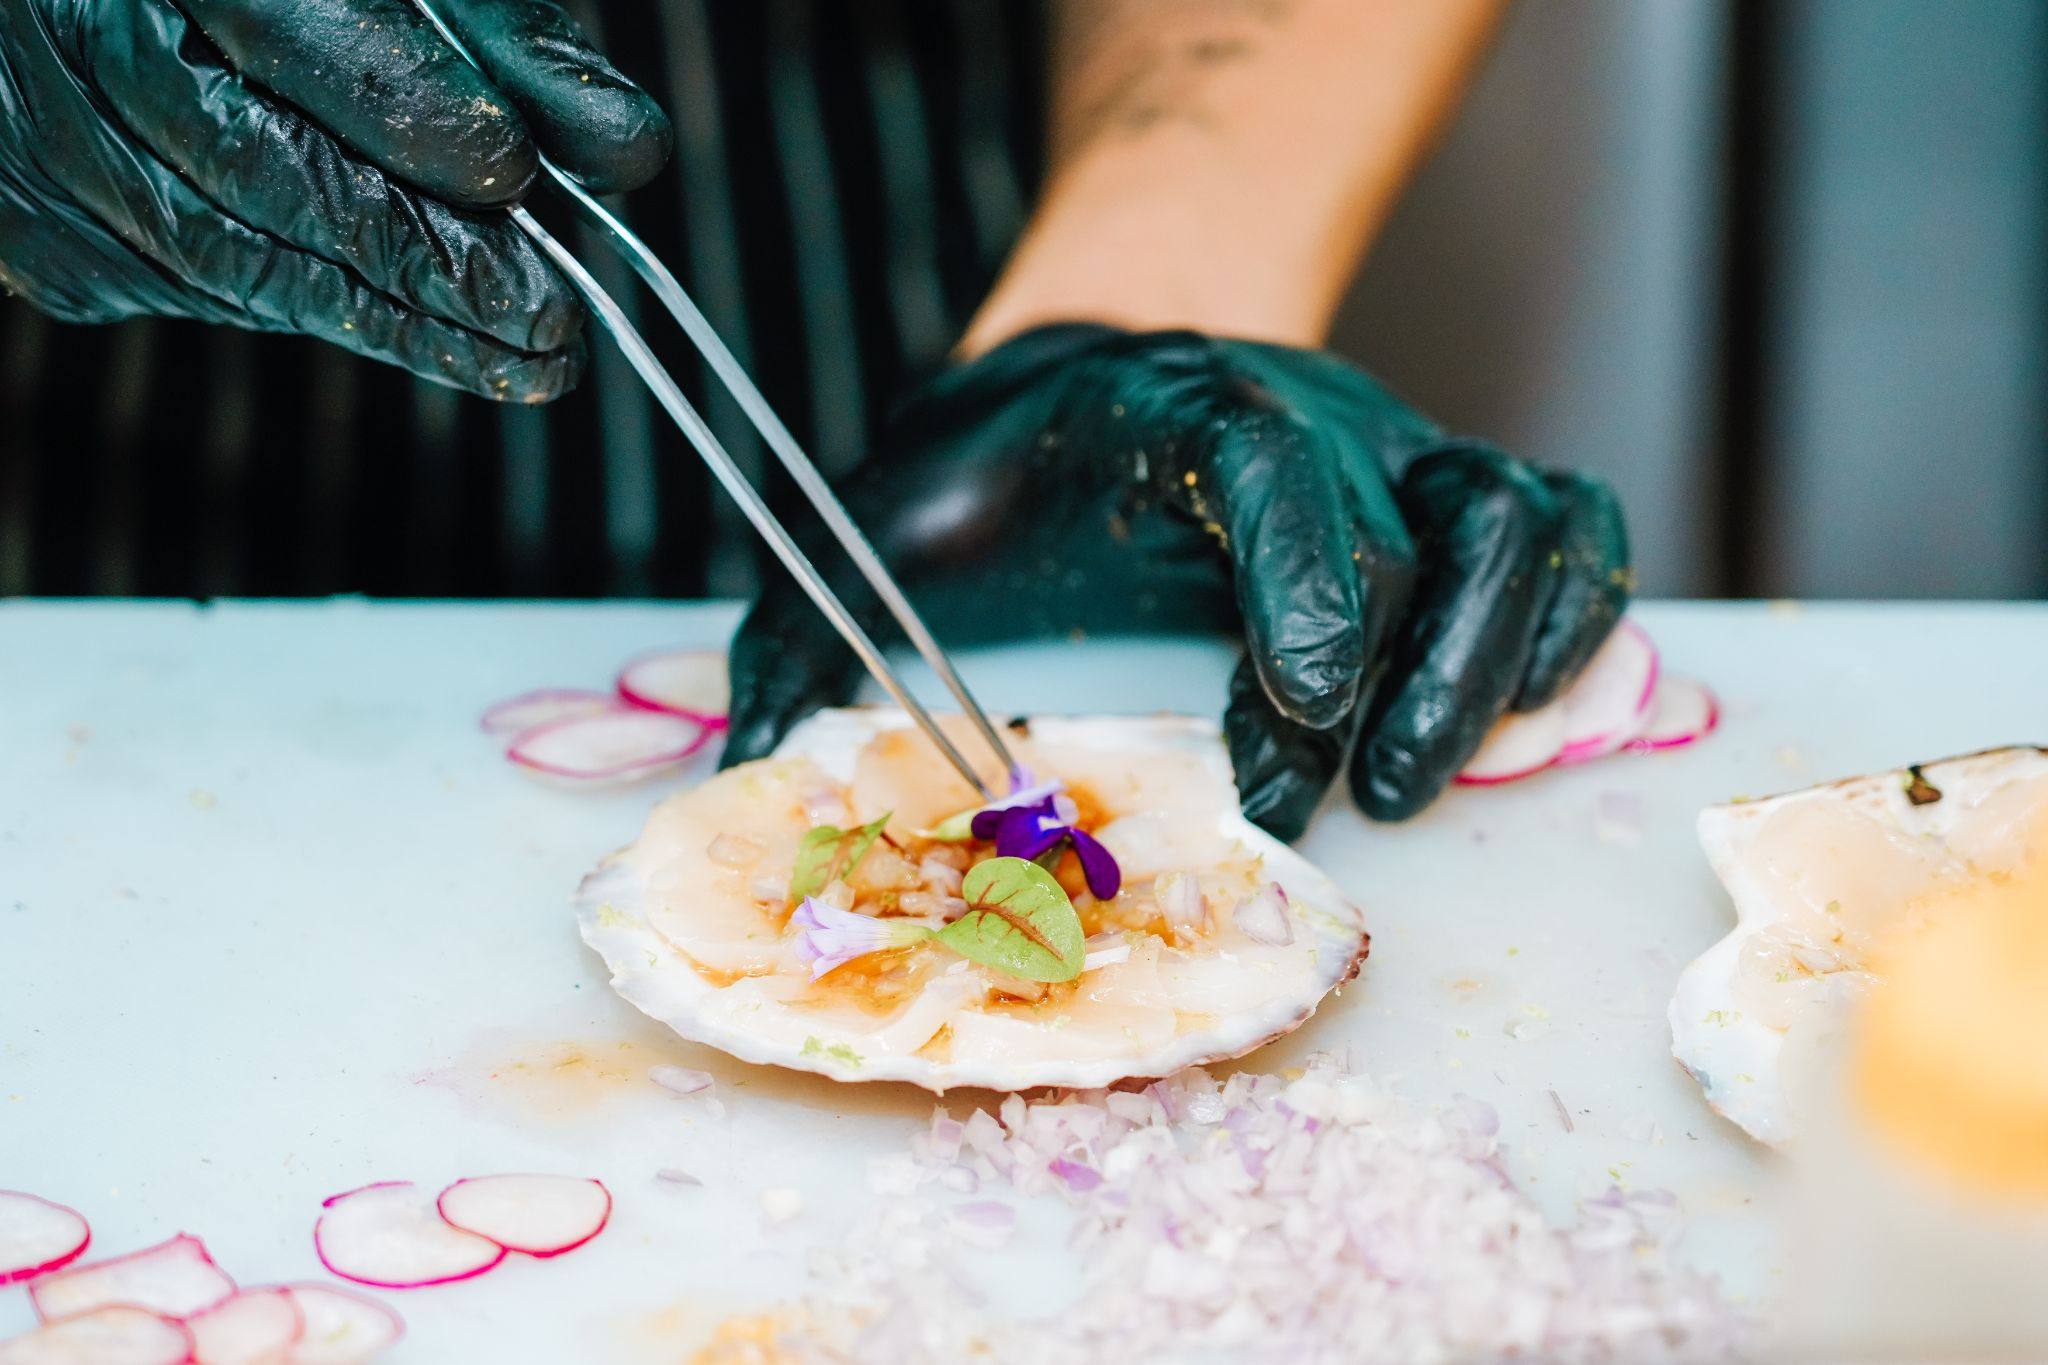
pixel 277 920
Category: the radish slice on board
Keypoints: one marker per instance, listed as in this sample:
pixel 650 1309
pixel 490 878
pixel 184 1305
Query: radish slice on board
pixel 688 682
pixel 528 710
pixel 249 1327
pixel 340 1328
pixel 389 1236
pixel 1520 743
pixel 37 1237
pixel 1683 713
pixel 540 1215
pixel 626 743
pixel 119 1334
pixel 176 1278
pixel 1607 703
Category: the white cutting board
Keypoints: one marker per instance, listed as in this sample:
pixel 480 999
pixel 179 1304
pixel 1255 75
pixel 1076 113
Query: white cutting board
pixel 276 920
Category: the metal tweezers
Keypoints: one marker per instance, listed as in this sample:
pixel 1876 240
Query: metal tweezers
pixel 614 321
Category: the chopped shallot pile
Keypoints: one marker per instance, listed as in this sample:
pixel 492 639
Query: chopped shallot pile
pixel 662 709
pixel 1622 703
pixel 1315 1219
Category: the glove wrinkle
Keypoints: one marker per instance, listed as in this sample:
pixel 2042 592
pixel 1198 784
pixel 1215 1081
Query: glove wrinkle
pixel 587 117
pixel 262 164
pixel 1487 529
pixel 376 75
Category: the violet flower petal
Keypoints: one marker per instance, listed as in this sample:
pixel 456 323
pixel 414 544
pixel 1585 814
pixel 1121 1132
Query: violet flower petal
pixel 1098 865
pixel 1028 831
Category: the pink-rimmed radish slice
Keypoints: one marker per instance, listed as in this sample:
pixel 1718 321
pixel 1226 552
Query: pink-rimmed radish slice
pixel 627 743
pixel 1606 705
pixel 539 1215
pixel 341 1328
pixel 176 1278
pixel 530 710
pixel 249 1327
pixel 687 682
pixel 1684 712
pixel 37 1236
pixel 1520 743
pixel 118 1334
pixel 389 1236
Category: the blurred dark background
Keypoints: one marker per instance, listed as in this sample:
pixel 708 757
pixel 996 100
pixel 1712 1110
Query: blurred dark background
pixel 1773 267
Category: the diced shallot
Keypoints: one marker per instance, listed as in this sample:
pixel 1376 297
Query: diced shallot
pixel 118 1334
pixel 341 1327
pixel 37 1236
pixel 176 1278
pixel 535 1215
pixel 941 879
pixel 985 1223
pixel 1179 896
pixel 611 747
pixel 1105 950
pixel 1683 712
pixel 249 1327
pixel 1262 916
pixel 390 1236
pixel 1608 702
pixel 680 1080
pixel 689 682
pixel 531 710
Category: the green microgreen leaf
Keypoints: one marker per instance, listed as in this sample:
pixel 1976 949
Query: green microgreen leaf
pixel 954 829
pixel 829 853
pixel 1018 921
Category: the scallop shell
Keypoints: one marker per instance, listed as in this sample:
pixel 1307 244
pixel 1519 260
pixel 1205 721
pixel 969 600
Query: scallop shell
pixel 1954 818
pixel 660 912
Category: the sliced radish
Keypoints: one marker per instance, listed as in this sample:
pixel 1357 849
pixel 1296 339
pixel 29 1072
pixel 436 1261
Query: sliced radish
pixel 529 710
pixel 687 682
pixel 1520 743
pixel 37 1237
pixel 388 1235
pixel 627 743
pixel 176 1278
pixel 1606 705
pixel 540 1215
pixel 249 1327
pixel 341 1328
pixel 118 1334
pixel 1684 712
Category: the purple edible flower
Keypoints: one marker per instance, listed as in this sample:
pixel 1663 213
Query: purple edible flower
pixel 1029 832
pixel 829 937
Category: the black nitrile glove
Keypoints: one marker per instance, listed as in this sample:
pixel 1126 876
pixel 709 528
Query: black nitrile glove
pixel 293 166
pixel 1079 478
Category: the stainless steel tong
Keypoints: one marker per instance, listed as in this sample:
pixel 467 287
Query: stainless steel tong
pixel 777 436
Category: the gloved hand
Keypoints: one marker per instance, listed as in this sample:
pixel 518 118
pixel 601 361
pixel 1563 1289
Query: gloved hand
pixel 310 166
pixel 1391 583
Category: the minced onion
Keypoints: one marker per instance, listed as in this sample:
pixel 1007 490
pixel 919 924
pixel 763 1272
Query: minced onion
pixel 1318 1219
pixel 1262 916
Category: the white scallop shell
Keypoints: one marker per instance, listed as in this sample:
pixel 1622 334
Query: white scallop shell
pixel 1963 806
pixel 621 905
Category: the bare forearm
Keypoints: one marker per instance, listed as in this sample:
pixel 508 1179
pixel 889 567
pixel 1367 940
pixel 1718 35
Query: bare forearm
pixel 1222 164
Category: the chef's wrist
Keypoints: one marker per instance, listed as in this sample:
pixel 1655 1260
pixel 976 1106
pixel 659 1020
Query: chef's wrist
pixel 1151 263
